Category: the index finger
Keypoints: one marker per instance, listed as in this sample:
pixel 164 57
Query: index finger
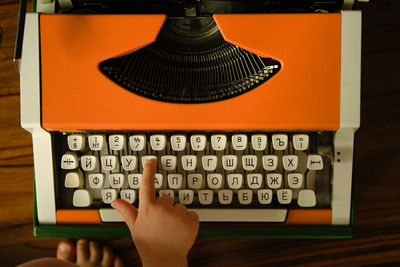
pixel 147 193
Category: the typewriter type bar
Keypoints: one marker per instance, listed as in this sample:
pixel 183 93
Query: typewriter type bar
pixel 190 62
pixel 316 91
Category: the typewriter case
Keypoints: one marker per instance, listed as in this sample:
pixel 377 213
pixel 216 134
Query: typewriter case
pixel 309 93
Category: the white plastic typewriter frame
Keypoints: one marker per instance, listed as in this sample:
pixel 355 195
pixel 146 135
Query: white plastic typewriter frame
pixel 30 84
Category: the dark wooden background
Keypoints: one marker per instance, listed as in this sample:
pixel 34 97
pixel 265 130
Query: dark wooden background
pixel 377 174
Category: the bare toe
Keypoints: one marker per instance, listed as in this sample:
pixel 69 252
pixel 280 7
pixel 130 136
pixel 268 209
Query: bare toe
pixel 118 262
pixel 82 251
pixel 108 257
pixel 66 251
pixel 95 253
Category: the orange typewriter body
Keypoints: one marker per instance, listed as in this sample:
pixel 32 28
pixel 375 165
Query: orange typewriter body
pixel 303 95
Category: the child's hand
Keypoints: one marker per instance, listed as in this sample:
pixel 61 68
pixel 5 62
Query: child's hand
pixel 163 232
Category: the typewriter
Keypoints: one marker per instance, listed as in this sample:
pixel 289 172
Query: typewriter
pixel 249 108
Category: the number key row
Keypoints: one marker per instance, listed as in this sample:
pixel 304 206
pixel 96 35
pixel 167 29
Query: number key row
pixel 158 142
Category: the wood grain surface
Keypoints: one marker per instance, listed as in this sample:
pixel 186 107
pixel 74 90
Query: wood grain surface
pixel 376 169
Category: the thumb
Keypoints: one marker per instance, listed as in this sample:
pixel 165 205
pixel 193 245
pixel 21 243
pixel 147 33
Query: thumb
pixel 128 212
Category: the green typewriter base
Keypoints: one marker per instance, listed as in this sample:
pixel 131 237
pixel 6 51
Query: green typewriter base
pixel 226 231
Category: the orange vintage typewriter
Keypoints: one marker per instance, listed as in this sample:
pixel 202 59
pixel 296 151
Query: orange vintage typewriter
pixel 250 110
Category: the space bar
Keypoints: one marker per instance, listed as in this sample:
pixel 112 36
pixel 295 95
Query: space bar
pixel 241 215
pixel 217 215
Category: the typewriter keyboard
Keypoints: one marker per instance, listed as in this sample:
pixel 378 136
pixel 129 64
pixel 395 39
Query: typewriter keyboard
pixel 213 171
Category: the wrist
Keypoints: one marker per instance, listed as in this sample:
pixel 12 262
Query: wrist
pixel 165 261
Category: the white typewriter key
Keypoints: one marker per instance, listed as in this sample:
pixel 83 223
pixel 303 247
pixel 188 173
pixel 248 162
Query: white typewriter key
pixel 158 142
pixel 254 180
pixel 186 196
pixel 73 180
pixel 116 141
pixel 96 180
pixel 290 162
pixel 245 196
pixel 88 162
pixel 96 142
pixel 209 162
pixel 235 180
pixel 128 195
pixel 218 142
pixel 295 180
pixel 158 180
pixel 306 198
pixel 167 192
pixel 314 162
pixel 205 197
pixel 189 162
pixel 195 180
pixel 229 162
pixel 178 142
pixel 249 162
pixel 279 141
pixel 259 142
pixel 76 142
pixel 108 195
pixel 69 161
pixel 274 180
pixel 239 141
pixel 225 196
pixel 300 141
pixel 284 196
pixel 168 163
pixel 175 181
pixel 147 158
pixel 264 196
pixel 109 163
pixel 117 180
pixel 198 142
pixel 270 162
pixel 137 142
pixel 214 180
pixel 82 198
pixel 134 180
pixel 129 162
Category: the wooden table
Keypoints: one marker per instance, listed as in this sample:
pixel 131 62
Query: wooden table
pixel 376 169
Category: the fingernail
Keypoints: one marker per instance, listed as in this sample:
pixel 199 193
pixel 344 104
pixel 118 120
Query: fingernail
pixel 64 247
